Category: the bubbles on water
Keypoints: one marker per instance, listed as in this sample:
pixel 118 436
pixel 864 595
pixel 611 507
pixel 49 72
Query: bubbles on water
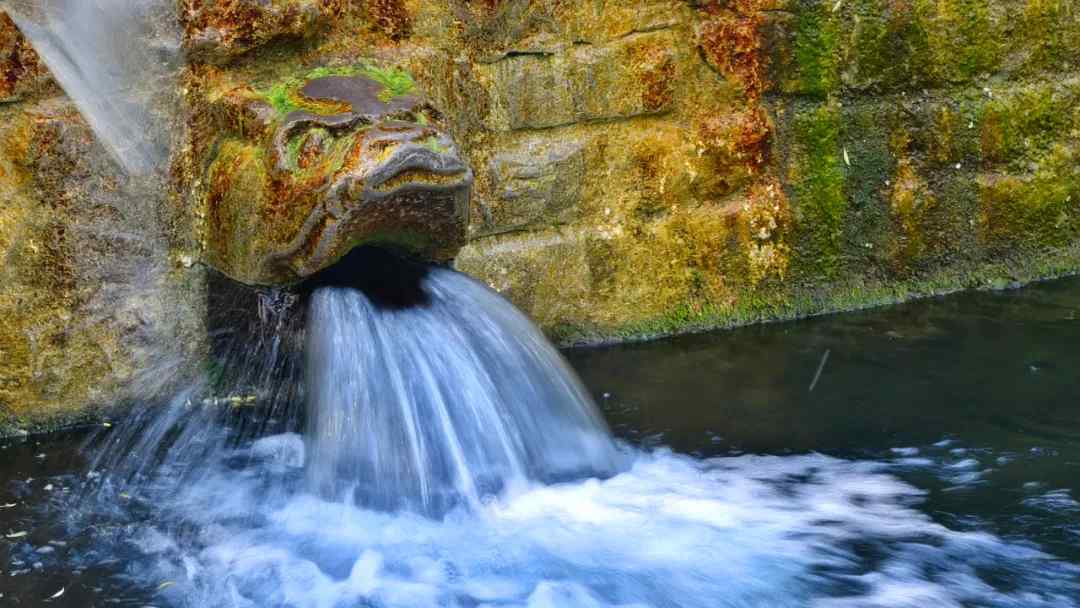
pixel 790 531
pixel 1058 501
pixel 285 450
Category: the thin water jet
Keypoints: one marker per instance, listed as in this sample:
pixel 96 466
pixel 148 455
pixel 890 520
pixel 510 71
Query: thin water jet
pixel 119 62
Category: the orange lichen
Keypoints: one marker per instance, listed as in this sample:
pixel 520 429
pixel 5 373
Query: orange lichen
pixel 657 69
pixel 391 17
pixel 227 28
pixel 19 64
pixel 237 20
pixel 733 44
pixel 739 136
pixel 334 7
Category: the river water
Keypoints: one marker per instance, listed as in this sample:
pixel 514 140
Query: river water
pixel 921 455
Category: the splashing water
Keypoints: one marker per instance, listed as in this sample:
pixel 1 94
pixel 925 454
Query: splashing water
pixel 449 458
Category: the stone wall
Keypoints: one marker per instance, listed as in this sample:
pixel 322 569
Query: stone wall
pixel 90 301
pixel 654 167
pixel 642 167
pixel 658 166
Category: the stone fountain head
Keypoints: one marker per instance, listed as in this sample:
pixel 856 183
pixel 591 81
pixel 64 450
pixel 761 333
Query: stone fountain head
pixel 307 168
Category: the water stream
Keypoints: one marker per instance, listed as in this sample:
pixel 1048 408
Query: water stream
pixel 930 486
pixel 440 404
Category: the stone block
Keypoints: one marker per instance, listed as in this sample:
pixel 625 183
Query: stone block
pixel 538 183
pixel 532 91
pixel 545 274
pixel 635 76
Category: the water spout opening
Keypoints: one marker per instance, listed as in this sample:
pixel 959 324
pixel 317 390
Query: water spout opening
pixel 389 279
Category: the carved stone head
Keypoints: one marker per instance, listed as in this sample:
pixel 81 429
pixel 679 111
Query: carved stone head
pixel 302 169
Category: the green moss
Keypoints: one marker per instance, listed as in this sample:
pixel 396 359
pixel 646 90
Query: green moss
pixel 285 97
pixel 1051 33
pixel 820 204
pixel 1038 210
pixel 888 47
pixel 867 141
pixel 801 302
pixel 961 37
pixel 326 71
pixel 396 82
pixel 293 150
pixel 432 143
pixel 1025 123
pixel 280 98
pixel 816 53
pixel 284 94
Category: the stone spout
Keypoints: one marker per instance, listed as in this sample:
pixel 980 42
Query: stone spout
pixel 305 169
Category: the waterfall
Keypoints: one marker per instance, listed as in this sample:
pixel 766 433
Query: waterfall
pixel 414 388
pixel 440 404
pixel 117 60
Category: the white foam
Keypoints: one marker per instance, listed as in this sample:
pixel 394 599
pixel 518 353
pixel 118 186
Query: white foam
pixel 671 531
pixel 286 450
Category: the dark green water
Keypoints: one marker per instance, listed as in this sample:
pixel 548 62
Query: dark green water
pixel 973 399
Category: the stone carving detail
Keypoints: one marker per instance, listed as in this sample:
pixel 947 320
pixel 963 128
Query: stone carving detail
pixel 305 170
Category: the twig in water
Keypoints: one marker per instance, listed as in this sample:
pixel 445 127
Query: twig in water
pixel 820 368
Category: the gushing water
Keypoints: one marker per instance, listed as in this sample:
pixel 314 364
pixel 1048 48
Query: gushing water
pixel 448 458
pixel 441 404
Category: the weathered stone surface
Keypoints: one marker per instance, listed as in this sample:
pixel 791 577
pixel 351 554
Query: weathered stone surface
pixel 221 30
pixel 535 184
pixel 21 71
pixel 546 274
pixel 562 85
pixel 303 170
pixel 90 300
pixel 533 91
pixel 637 75
pixel 848 153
